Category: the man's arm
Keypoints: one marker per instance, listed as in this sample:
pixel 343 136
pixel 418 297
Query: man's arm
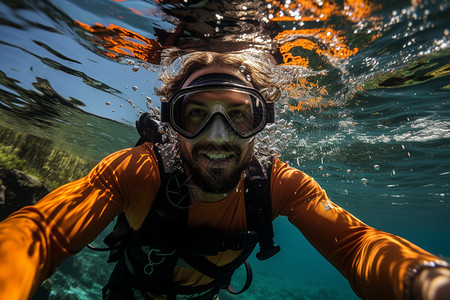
pixel 36 239
pixel 376 263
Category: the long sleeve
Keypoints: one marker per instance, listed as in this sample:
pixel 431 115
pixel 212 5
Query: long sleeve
pixel 373 261
pixel 36 239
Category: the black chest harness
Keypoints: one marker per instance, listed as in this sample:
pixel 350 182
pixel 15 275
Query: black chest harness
pixel 146 258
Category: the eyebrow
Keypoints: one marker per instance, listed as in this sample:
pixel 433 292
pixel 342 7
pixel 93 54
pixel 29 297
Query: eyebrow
pixel 237 105
pixel 195 102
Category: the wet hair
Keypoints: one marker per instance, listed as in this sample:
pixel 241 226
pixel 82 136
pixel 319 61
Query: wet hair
pixel 257 66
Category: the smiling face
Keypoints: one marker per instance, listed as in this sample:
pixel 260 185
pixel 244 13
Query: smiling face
pixel 217 157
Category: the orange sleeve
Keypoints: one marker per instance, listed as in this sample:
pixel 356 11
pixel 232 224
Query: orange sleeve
pixel 36 239
pixel 373 261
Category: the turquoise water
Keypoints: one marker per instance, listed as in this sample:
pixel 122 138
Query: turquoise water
pixel 376 134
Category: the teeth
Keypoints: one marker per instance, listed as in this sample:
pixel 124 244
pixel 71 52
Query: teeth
pixel 217 156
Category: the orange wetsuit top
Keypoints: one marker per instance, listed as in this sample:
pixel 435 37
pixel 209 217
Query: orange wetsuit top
pixel 36 239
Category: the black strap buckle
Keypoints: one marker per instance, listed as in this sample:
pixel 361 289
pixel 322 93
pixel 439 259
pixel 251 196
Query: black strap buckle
pixel 268 252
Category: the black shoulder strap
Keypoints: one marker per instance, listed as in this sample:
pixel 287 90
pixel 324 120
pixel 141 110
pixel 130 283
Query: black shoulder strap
pixel 163 214
pixel 166 221
pixel 258 206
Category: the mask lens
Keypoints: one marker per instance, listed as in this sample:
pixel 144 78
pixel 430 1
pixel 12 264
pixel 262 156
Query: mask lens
pixel 192 111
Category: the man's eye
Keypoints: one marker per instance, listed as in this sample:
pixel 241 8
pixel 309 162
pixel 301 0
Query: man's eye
pixel 196 113
pixel 237 115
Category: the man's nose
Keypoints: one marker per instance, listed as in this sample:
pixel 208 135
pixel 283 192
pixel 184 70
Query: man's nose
pixel 218 130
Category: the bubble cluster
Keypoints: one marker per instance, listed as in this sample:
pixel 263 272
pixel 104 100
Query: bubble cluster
pixel 148 103
pixel 275 138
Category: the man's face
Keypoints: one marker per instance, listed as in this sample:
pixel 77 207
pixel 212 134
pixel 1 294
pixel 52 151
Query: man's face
pixel 216 158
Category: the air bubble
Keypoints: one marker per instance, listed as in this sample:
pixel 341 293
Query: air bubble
pixel 148 103
pixel 242 69
pixel 134 88
pixel 248 78
pixel 364 181
pixel 135 69
pixel 108 103
pixel 376 167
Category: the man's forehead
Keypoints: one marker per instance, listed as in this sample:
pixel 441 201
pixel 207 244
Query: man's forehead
pixel 215 69
pixel 225 96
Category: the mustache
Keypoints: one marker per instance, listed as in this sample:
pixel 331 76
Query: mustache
pixel 212 147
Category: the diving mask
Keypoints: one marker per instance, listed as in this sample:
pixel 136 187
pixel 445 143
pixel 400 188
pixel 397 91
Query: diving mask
pixel 190 110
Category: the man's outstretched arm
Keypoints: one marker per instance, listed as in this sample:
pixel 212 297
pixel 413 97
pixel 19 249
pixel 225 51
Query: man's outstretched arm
pixel 36 239
pixel 376 263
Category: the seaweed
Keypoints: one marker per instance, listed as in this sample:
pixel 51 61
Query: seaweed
pixel 54 165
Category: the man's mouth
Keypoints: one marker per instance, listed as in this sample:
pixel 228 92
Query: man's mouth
pixel 217 156
pixel 217 159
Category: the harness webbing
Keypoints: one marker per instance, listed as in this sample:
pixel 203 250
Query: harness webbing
pixel 259 209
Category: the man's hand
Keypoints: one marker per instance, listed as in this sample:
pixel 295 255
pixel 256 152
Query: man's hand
pixel 432 284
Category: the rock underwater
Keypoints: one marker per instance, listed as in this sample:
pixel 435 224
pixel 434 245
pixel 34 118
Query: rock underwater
pixel 17 190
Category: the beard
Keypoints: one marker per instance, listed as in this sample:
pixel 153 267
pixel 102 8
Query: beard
pixel 216 176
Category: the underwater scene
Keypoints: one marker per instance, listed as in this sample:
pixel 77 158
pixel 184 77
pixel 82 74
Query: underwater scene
pixel 365 111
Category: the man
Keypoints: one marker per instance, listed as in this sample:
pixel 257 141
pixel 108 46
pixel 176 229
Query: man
pixel 183 232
